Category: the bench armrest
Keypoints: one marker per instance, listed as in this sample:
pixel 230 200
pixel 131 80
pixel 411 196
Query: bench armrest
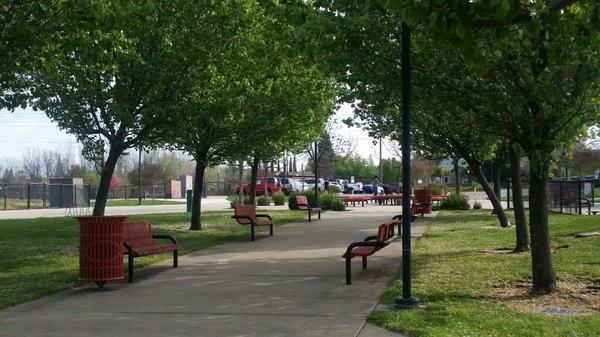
pixel 264 216
pixel 315 205
pixel 364 244
pixel 370 237
pixel 399 217
pixel 165 236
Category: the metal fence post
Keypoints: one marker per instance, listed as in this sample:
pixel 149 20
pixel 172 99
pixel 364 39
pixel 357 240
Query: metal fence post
pixel 60 195
pixel 28 196
pixel 89 195
pixel 560 195
pixel 579 196
pixel 5 187
pixel 508 194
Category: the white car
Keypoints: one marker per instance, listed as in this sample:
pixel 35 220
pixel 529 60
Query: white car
pixel 310 183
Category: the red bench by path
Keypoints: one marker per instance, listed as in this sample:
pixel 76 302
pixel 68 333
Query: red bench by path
pixel 370 245
pixel 139 241
pixel 303 205
pixel 246 215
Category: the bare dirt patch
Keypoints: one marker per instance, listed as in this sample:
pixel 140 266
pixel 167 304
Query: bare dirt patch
pixel 580 295
pixel 510 250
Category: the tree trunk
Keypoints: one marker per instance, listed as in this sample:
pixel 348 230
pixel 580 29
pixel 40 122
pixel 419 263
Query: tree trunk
pixel 476 167
pixel 522 233
pixel 265 190
pixel 253 177
pixel 496 170
pixel 107 172
pixel 295 164
pixel 241 182
pixel 197 195
pixel 544 277
pixel 456 175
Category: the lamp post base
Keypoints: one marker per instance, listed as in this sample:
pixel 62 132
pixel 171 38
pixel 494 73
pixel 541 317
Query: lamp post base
pixel 401 303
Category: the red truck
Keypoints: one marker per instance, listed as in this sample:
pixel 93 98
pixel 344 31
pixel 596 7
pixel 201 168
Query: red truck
pixel 271 185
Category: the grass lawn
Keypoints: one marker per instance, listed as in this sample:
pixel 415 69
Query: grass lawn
pixel 463 282
pixel 38 257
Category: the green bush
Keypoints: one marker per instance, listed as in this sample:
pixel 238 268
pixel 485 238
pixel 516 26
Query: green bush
pixel 235 200
pixel 338 205
pixel 437 189
pixel 435 207
pixel 455 201
pixel 279 199
pixel 263 200
pixel 334 189
pixel 477 205
pixel 326 200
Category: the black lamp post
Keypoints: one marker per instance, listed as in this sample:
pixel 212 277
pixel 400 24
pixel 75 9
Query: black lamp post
pixel 316 176
pixel 140 175
pixel 407 301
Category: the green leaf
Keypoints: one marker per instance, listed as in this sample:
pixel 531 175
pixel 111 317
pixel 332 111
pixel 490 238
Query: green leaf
pixel 461 31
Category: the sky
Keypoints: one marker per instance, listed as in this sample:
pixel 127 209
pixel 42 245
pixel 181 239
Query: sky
pixel 26 129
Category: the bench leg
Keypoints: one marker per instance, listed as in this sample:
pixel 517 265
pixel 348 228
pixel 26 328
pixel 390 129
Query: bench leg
pixel 319 215
pixel 364 261
pixel 309 214
pixel 348 270
pixel 175 259
pixel 130 268
pixel 252 232
pixel 271 230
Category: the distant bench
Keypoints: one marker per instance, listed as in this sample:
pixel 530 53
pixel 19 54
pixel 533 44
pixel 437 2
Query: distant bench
pixel 302 203
pixel 354 198
pixel 246 215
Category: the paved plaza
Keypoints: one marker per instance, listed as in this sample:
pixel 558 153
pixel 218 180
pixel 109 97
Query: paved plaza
pixel 291 284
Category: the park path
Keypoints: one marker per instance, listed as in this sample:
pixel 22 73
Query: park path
pixel 291 284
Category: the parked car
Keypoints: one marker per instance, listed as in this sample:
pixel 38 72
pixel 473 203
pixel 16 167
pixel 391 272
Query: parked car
pixel 335 184
pixel 368 189
pixel 270 186
pixel 355 187
pixel 395 187
pixel 288 185
pixel 311 183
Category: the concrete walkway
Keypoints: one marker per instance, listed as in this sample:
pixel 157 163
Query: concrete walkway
pixel 291 284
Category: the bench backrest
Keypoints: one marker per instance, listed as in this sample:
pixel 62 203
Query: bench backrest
pixel 245 210
pixel 138 233
pixel 383 233
pixel 422 196
pixel 301 199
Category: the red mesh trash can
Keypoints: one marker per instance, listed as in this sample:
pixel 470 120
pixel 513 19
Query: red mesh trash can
pixel 100 248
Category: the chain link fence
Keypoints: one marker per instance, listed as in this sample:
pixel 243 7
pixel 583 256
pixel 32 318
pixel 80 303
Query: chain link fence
pixel 40 195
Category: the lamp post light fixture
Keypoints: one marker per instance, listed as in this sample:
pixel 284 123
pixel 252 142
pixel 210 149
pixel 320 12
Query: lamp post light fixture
pixel 407 301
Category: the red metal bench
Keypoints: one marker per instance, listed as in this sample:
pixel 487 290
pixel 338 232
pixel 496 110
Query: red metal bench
pixel 246 215
pixel 370 245
pixel 421 203
pixel 354 198
pixel 303 205
pixel 139 241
